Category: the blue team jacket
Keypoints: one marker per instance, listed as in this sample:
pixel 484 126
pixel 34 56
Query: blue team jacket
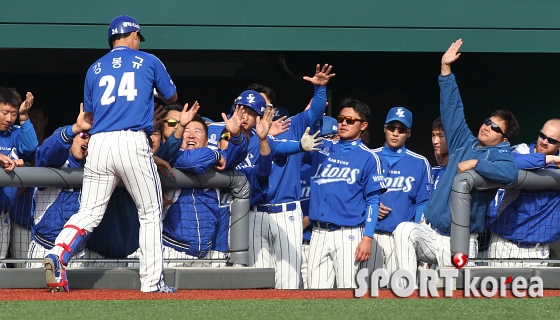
pixel 494 162
pixel 53 205
pixel 524 216
pixel 191 222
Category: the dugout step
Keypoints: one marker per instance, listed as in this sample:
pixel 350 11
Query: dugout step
pixel 128 278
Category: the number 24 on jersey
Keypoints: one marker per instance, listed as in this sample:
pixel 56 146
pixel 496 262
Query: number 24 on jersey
pixel 127 88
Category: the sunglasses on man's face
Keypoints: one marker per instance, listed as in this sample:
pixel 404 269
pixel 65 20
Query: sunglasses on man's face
pixel 349 120
pixel 84 135
pixel 550 140
pixel 392 128
pixel 171 122
pixel 494 127
pixel 226 136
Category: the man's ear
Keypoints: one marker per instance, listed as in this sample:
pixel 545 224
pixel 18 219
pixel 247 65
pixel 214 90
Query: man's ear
pixel 364 126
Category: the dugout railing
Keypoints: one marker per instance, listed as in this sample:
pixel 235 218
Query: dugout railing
pixel 231 180
pixel 460 205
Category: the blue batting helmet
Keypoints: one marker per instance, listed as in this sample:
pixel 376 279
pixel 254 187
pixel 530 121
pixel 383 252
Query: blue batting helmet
pixel 122 25
pixel 251 99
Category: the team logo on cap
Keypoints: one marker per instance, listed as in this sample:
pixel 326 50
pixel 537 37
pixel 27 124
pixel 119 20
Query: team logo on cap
pixel 251 98
pixel 400 113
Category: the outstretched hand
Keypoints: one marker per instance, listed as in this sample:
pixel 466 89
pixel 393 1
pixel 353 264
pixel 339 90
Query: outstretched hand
pixel 233 124
pixel 186 116
pixel 450 56
pixel 322 75
pixel 280 126
pixel 265 122
pixel 310 142
pixel 83 122
pixel 25 106
pixel 158 113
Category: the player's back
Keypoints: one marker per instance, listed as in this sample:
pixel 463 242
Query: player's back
pixel 118 90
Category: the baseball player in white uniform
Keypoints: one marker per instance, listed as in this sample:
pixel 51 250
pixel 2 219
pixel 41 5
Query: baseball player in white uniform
pixel 346 183
pixel 407 177
pixel 119 108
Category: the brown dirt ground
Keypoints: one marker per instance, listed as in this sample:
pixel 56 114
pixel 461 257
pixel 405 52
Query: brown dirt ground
pixel 263 294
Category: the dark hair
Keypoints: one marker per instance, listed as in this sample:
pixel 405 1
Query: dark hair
pixel 512 126
pixel 116 37
pixel 198 118
pixel 171 107
pixel 437 125
pixel 263 89
pixel 10 96
pixel 361 108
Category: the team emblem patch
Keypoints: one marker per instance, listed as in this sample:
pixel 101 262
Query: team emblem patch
pixel 351 237
pixel 400 113
pixel 291 218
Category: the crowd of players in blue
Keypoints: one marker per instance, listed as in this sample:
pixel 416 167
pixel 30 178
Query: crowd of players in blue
pixel 322 205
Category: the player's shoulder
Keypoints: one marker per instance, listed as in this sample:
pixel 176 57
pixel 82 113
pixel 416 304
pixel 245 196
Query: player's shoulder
pixel 377 150
pixel 521 148
pixel 416 156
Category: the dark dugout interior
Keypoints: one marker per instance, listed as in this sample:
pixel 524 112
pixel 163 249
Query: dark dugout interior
pixel 525 83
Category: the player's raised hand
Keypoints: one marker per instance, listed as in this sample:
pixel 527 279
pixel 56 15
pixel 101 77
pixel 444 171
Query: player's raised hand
pixel 264 123
pixel 83 122
pixel 233 124
pixel 310 142
pixel 450 56
pixel 7 163
pixel 25 106
pixel 158 115
pixel 322 75
pixel 280 126
pixel 186 116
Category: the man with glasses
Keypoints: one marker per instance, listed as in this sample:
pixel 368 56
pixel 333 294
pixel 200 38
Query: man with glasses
pixel 488 153
pixel 523 223
pixel 346 183
pixel 408 181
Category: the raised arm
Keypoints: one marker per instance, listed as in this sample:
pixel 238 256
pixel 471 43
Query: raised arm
pixel 451 105
pixel 28 142
pixel 319 80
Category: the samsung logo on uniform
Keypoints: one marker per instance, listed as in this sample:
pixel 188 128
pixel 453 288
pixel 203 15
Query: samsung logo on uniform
pixel 131 24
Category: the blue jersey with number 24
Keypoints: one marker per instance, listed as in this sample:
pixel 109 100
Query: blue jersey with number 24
pixel 118 90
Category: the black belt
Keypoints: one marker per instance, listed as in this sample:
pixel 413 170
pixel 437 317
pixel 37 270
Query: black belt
pixel 275 208
pixel 326 225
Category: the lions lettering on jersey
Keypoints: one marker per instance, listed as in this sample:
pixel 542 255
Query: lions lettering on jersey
pixel 400 183
pixel 335 174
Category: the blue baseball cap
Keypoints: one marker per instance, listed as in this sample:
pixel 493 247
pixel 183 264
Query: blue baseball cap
pixel 401 114
pixel 328 125
pixel 207 120
pixel 279 112
pixel 251 99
